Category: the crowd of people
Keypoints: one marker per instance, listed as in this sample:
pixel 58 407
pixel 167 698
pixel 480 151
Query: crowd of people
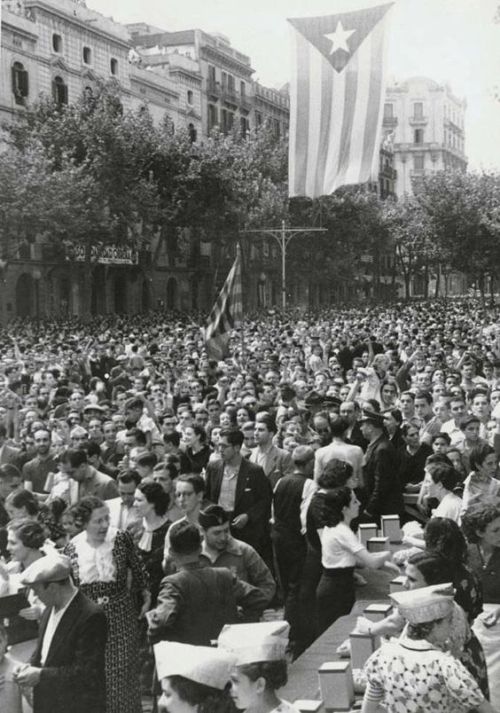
pixel 158 495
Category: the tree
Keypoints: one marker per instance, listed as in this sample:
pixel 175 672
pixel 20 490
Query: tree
pixel 463 209
pixel 412 235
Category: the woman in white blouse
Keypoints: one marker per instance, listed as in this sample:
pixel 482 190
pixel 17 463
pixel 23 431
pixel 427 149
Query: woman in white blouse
pixel 102 558
pixel 341 551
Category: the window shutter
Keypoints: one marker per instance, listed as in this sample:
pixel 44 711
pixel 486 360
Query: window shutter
pixel 23 83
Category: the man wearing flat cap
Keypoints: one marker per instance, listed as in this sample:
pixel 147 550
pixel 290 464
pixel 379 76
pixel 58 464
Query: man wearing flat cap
pixel 66 670
pixel 221 549
pixel 382 493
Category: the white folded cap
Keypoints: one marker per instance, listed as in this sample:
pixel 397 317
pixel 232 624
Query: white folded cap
pixel 202 664
pixel 252 643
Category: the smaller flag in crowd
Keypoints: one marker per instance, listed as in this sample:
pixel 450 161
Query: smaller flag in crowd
pixel 226 313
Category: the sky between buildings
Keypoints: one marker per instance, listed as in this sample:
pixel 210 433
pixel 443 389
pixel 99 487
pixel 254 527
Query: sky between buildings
pixel 447 40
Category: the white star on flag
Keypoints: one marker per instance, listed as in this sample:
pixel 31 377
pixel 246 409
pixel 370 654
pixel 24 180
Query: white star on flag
pixel 339 38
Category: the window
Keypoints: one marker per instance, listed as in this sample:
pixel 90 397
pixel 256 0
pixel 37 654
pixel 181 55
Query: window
pixel 59 91
pixel 20 84
pixel 258 118
pixel 113 66
pixel 57 43
pixel 189 96
pixel 418 136
pixel 192 133
pixel 87 55
pixel 418 162
pixel 243 89
pixel 276 128
pixel 223 77
pixel 244 126
pixel 230 83
pixel 388 111
pixel 227 120
pixel 418 110
pixel 213 116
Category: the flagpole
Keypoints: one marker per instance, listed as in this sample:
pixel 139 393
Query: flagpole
pixel 283 236
pixel 242 331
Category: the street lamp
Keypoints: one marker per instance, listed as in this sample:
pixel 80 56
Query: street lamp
pixel 283 236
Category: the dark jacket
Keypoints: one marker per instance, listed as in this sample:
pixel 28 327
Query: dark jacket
pixel 195 603
pixel 73 676
pixel 253 497
pixel 357 439
pixel 382 490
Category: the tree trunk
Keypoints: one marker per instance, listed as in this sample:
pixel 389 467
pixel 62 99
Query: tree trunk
pixel 426 282
pixel 407 277
pixel 481 288
pixel 438 281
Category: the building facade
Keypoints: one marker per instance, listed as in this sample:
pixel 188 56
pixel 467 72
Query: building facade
pixel 425 123
pixel 60 49
pixel 226 74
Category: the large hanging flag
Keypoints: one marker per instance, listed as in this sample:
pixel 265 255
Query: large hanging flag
pixel 336 100
pixel 226 313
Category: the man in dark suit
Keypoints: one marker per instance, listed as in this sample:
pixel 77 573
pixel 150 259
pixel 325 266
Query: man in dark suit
pixel 66 670
pixel 349 411
pixel 382 492
pixel 198 600
pixel 242 489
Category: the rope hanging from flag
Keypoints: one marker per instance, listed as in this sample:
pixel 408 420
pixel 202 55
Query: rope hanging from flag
pixel 336 99
pixel 226 313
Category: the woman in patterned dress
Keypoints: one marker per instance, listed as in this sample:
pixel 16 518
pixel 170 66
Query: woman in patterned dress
pixel 412 674
pixel 102 558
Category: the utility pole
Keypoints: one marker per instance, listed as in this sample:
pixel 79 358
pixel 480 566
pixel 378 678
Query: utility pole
pixel 283 236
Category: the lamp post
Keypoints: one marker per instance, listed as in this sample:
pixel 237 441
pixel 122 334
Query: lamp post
pixel 283 236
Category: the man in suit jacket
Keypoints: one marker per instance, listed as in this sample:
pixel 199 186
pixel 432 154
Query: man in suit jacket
pixel 122 512
pixel 349 411
pixel 382 494
pixel 86 479
pixel 198 600
pixel 66 670
pixel 242 490
pixel 274 461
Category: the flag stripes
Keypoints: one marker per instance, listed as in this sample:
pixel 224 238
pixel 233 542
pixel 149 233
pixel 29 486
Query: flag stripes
pixel 336 103
pixel 226 313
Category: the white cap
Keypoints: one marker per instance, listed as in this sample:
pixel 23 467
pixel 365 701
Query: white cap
pixel 251 643
pixel 419 606
pixel 202 664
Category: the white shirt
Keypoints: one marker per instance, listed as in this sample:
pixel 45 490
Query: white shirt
pixel 96 564
pixel 450 507
pixel 339 546
pixel 52 624
pixel 341 451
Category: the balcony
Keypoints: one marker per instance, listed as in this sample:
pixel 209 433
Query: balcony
pixel 229 95
pixel 388 172
pixel 214 88
pixel 418 120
